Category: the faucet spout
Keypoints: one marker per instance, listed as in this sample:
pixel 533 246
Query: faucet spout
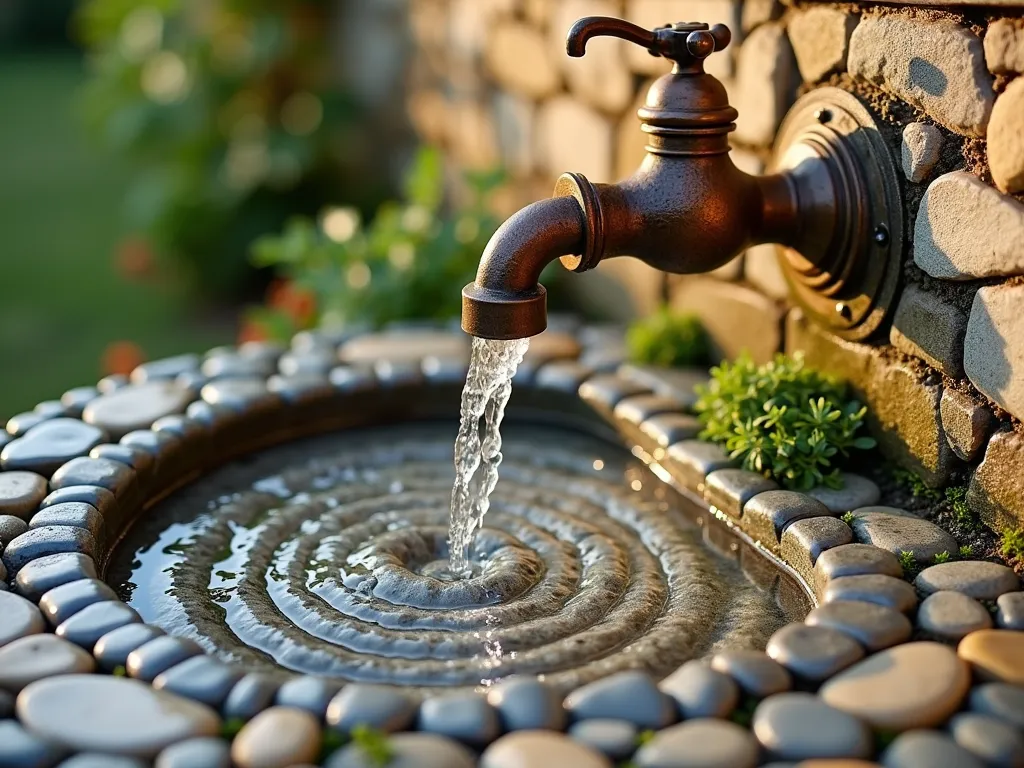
pixel 507 301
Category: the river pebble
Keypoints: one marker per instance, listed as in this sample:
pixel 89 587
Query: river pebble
pixel 276 738
pixel 614 738
pixel 466 717
pixel 927 749
pixel 203 752
pixel 63 602
pixel 754 672
pixel 20 618
pixel 995 655
pixel 526 703
pixel 872 588
pixel 160 654
pixel 873 626
pixel 952 615
pixel 813 652
pixel 798 726
pixel 35 657
pixel 201 678
pixel 1000 700
pixel 974 578
pixel 527 749
pixel 701 743
pixel 113 649
pixel 250 696
pixel 97 713
pixel 412 750
pixel 631 696
pixel 991 740
pixel 1010 610
pixel 21 749
pixel 914 685
pixel 700 691
pixel 377 706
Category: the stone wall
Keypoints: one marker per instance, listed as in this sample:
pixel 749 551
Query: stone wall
pixel 491 83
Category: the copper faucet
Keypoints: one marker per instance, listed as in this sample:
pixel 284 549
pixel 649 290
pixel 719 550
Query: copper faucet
pixel 689 209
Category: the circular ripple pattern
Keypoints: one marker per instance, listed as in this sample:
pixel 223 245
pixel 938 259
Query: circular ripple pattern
pixel 336 566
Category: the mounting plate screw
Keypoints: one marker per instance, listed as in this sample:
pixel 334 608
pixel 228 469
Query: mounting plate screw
pixel 823 115
pixel 881 235
pixel 843 310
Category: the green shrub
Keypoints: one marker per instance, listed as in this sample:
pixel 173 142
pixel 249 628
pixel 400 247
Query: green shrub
pixel 966 551
pixel 848 518
pixel 941 557
pixel 907 561
pixel 409 262
pixel 668 339
pixel 783 420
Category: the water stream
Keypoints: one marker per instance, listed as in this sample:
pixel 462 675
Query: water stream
pixel 478 445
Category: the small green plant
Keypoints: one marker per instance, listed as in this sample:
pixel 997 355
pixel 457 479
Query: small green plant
pixel 941 557
pixel 782 419
pixel 907 561
pixel 668 339
pixel 1011 543
pixel 956 496
pixel 966 551
pixel 644 736
pixel 374 744
pixel 230 727
pixel 119 671
pixel 330 742
pixel 743 715
pixel 409 262
pixel 913 483
pixel 848 518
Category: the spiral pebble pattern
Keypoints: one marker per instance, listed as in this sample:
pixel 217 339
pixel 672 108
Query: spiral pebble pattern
pixel 337 566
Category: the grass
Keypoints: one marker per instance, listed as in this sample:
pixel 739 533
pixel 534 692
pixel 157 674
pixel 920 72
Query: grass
pixel 64 300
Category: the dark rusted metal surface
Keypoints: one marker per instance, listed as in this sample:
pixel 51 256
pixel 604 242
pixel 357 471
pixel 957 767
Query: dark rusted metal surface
pixel 689 209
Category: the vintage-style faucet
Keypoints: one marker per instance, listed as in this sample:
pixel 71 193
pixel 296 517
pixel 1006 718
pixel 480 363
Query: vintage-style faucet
pixel 832 200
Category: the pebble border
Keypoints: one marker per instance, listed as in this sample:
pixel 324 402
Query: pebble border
pixel 260 394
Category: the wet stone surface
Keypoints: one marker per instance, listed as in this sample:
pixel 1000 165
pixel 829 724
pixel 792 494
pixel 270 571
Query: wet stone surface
pixel 10 528
pixel 92 622
pixel 692 460
pixel 20 493
pixel 803 542
pixel 75 515
pixel 63 602
pixel 45 573
pixel 45 447
pixel 46 540
pixel 208 752
pixel 158 655
pixel 108 714
pixel 307 692
pixel 854 560
pixel 465 717
pixel 248 697
pixel 730 489
pixel 113 649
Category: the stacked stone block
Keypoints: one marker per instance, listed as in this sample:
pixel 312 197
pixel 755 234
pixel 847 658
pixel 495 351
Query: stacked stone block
pixel 946 385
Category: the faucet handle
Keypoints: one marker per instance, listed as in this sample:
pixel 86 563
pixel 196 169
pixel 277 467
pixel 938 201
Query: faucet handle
pixel 685 43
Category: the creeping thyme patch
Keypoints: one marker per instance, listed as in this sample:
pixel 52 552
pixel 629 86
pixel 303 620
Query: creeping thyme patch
pixel 956 496
pixel 668 339
pixel 782 420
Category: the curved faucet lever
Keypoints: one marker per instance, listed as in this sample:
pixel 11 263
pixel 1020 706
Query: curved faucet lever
pixel 595 26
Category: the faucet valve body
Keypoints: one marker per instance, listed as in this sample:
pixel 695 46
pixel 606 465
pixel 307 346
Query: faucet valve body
pixel 689 209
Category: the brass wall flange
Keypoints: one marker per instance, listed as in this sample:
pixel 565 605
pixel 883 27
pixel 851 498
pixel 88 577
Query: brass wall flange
pixel 843 267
